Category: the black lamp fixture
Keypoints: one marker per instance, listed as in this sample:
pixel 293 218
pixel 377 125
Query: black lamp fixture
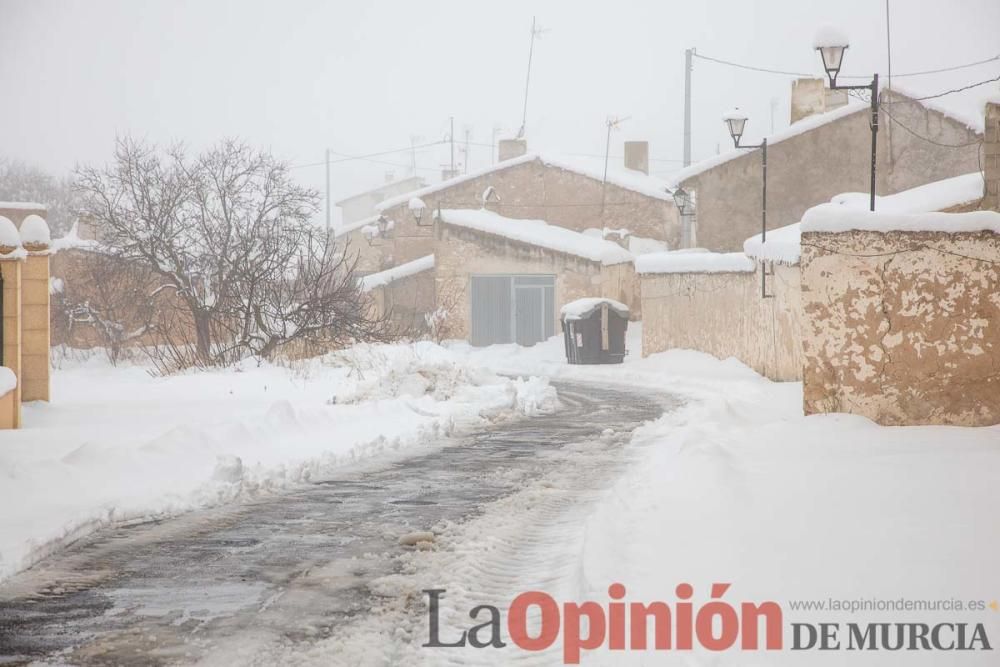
pixel 736 122
pixel 682 200
pixel 831 45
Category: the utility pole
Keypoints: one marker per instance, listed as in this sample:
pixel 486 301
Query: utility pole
pixel 451 139
pixel 328 190
pixel 468 133
pixel 493 144
pixel 687 105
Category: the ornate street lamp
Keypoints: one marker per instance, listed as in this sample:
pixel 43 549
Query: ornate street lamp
pixel 682 200
pixel 736 121
pixel 831 45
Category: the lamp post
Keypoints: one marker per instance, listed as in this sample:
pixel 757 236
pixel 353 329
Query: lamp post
pixel 831 46
pixel 736 121
pixel 685 207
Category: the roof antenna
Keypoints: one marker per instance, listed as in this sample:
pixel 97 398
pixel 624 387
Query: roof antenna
pixel 535 32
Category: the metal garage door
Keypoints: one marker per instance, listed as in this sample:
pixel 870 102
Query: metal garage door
pixel 512 308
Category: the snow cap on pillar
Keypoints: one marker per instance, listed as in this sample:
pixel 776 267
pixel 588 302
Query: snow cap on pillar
pixel 10 239
pixel 35 235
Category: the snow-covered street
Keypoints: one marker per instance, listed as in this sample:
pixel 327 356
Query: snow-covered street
pixel 322 564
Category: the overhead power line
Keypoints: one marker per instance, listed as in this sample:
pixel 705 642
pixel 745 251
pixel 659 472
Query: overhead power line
pixel 348 158
pixel 767 70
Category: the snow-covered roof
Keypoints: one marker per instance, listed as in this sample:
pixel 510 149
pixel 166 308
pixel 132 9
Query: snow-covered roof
pixel 356 225
pixel 966 109
pixel 383 278
pixel 782 245
pixel 392 185
pixel 538 233
pixel 936 196
pixel 694 262
pixel 22 205
pixel 581 308
pixel 793 130
pixel 628 179
pixel 834 218
pixel 950 109
pixel 35 231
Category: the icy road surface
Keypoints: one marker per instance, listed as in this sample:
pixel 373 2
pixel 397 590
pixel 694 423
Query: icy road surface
pixel 301 569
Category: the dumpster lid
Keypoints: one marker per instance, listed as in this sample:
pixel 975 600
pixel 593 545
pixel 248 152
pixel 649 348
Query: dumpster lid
pixel 581 308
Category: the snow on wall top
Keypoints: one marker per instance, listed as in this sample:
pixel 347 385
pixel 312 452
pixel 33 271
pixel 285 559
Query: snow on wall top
pixel 538 233
pixel 794 130
pixel 694 262
pixel 383 278
pixel 72 241
pixel 35 231
pixel 22 205
pixel 628 179
pixel 783 245
pixel 581 308
pixel 836 218
pixel 934 196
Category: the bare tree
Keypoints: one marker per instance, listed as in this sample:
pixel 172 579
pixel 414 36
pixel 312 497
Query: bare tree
pixel 228 233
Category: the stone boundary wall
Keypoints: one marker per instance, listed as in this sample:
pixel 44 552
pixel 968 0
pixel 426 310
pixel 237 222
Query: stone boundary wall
pixel 902 327
pixel 724 315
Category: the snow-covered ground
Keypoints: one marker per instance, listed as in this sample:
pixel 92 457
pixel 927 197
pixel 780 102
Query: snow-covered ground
pixel 117 444
pixel 737 487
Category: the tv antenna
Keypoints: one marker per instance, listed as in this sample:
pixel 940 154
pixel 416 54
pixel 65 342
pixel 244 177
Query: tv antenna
pixel 535 32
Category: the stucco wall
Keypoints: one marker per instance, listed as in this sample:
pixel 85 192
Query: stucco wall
pixel 11 269
pixel 531 190
pixel 461 253
pixel 407 301
pixel 810 168
pixel 724 315
pixel 903 328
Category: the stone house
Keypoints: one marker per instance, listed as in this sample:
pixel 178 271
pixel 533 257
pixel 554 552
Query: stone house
pixel 25 247
pixel 362 205
pixel 499 280
pixel 827 150
pixel 405 292
pixel 630 207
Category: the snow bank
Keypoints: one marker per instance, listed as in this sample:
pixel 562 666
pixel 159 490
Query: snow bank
pixel 783 245
pixel 538 233
pixel 118 444
pixel 383 278
pixel 837 218
pixel 934 196
pixel 576 310
pixel 35 231
pixel 8 381
pixel 694 262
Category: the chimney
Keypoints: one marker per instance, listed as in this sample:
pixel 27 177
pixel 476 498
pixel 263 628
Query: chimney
pixel 811 96
pixel 508 149
pixel 637 156
pixel 991 159
pixel 390 176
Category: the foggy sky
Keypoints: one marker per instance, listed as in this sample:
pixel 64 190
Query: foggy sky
pixel 298 76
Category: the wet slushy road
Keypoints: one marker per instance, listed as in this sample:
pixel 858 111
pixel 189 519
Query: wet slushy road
pixel 295 565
